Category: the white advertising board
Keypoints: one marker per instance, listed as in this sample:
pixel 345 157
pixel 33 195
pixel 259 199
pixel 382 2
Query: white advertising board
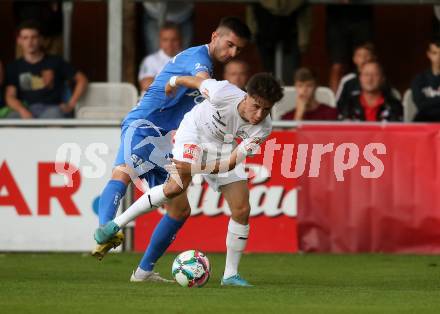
pixel 41 209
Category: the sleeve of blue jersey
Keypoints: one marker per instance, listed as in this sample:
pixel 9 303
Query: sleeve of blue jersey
pixel 201 63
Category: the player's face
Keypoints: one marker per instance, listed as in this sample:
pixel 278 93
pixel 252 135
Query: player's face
pixel 434 55
pixel 29 40
pixel 362 56
pixel 305 90
pixel 226 45
pixel 236 73
pixel 255 109
pixel 169 42
pixel 370 77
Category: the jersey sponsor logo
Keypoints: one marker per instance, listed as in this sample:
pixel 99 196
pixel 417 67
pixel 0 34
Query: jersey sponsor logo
pixel 191 151
pixel 254 145
pixel 202 67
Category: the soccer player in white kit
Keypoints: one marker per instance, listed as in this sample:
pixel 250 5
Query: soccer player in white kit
pixel 204 143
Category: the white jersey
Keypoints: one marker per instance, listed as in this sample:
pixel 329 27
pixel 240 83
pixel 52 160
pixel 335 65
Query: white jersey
pixel 216 120
pixel 207 132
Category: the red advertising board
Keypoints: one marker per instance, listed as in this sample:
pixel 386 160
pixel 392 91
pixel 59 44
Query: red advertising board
pixel 273 217
pixel 361 188
pixel 397 209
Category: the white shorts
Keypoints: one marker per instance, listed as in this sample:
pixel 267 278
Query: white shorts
pixel 189 147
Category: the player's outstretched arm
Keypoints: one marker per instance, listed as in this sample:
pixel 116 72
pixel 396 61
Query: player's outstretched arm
pixel 237 156
pixel 192 82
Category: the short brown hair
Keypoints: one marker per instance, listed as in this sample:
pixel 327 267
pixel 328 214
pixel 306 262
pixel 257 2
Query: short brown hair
pixel 264 85
pixel 170 26
pixel 367 46
pixel 304 75
pixel 29 24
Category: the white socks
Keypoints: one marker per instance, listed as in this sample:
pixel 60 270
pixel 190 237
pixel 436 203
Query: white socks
pixel 236 241
pixel 146 203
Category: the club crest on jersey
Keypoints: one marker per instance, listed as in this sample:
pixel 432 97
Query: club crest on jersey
pixel 254 145
pixel 191 151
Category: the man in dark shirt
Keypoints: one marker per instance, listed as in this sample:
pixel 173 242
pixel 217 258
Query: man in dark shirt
pixel 375 102
pixel 426 87
pixel 349 85
pixel 36 83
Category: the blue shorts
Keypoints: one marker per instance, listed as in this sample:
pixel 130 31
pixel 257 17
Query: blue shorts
pixel 146 150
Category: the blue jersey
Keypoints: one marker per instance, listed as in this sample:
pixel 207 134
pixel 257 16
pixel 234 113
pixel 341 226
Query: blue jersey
pixel 167 112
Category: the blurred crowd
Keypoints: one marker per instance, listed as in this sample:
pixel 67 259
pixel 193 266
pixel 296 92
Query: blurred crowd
pixel 40 84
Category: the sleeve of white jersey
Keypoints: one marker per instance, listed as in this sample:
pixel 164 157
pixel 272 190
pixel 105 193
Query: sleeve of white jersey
pixel 220 93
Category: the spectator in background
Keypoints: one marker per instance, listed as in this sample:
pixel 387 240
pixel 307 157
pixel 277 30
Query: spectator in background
pixel 237 73
pixel 156 13
pixel 306 105
pixel 436 21
pixel 349 85
pixel 36 83
pixel 49 15
pixel 375 102
pixel 286 23
pixel 170 44
pixel 426 87
pixel 348 25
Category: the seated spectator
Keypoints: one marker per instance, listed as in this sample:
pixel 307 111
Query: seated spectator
pixel 349 85
pixel 36 83
pixel 237 73
pixel 49 15
pixel 375 102
pixel 426 87
pixel 170 44
pixel 306 105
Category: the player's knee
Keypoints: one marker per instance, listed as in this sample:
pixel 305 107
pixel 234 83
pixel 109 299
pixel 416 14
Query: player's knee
pixel 120 173
pixel 241 213
pixel 179 213
pixel 173 189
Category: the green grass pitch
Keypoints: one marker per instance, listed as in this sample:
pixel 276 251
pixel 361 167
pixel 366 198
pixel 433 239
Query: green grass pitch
pixel 77 283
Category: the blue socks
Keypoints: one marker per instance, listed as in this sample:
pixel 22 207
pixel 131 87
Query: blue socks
pixel 109 200
pixel 163 236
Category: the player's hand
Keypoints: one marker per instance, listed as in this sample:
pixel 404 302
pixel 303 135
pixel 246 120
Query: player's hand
pixel 170 91
pixel 25 114
pixel 66 108
pixel 178 167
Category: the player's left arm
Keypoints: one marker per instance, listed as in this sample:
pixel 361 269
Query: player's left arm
pixel 246 148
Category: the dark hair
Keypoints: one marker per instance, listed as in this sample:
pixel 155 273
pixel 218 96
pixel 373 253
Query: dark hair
pixel 377 63
pixel 435 41
pixel 264 85
pixel 367 46
pixel 236 26
pixel 170 26
pixel 304 75
pixel 29 24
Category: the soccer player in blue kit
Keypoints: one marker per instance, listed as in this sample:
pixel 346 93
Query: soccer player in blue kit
pixel 146 141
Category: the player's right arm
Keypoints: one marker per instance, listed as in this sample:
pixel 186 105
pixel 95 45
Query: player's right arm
pixel 15 104
pixel 193 82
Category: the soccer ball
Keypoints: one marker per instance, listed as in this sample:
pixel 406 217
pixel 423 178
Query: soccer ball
pixel 191 269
